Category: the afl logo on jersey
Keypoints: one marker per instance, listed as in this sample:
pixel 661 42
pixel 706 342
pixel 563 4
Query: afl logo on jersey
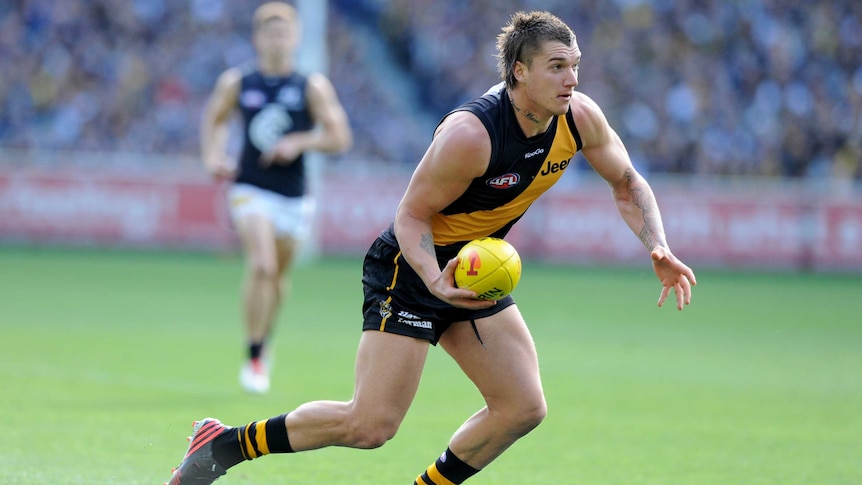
pixel 252 99
pixel 268 125
pixel 506 181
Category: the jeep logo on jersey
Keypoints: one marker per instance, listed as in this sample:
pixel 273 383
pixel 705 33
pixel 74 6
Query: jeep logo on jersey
pixel 506 181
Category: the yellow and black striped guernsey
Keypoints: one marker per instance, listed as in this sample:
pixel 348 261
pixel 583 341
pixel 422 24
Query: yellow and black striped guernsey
pixel 520 170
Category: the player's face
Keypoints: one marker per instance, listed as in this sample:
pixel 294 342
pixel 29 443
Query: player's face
pixel 274 38
pixel 552 76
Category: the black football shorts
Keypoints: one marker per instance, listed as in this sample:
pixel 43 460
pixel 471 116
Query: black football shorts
pixel 397 300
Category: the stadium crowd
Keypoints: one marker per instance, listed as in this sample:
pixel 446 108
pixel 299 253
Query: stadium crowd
pixel 770 87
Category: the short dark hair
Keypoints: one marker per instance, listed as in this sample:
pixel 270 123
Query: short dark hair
pixel 523 36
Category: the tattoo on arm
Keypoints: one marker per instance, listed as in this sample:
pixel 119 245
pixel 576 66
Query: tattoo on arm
pixel 427 243
pixel 650 234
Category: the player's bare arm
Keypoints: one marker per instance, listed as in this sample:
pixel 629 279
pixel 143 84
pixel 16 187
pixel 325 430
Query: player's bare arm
pixel 332 133
pixel 460 152
pixel 219 109
pixel 634 198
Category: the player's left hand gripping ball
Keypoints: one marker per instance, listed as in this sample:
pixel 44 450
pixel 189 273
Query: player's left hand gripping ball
pixel 490 266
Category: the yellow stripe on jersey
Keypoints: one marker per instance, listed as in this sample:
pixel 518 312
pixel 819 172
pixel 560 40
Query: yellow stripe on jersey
pixel 448 229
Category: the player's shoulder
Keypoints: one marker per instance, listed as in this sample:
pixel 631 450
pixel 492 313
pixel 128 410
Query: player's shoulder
pixel 470 119
pixel 463 126
pixel 231 77
pixel 318 83
pixel 586 112
pixel 583 105
pixel 462 142
pixel 246 71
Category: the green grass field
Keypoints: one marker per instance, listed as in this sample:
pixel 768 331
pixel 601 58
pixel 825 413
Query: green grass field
pixel 107 357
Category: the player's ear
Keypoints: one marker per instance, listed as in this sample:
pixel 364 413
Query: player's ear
pixel 519 70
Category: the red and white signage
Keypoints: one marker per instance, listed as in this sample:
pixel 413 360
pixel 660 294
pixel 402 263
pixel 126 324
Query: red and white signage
pixel 108 210
pixel 577 224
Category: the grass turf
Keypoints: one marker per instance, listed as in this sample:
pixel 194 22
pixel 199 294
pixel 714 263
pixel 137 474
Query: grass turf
pixel 107 357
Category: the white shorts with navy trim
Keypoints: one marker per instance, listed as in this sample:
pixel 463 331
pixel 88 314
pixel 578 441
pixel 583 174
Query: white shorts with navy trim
pixel 290 216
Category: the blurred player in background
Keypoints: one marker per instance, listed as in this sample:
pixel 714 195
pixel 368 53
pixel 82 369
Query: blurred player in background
pixel 489 160
pixel 284 114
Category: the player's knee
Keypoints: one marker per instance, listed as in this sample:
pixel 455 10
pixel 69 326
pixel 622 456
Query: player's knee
pixel 263 269
pixel 369 435
pixel 372 428
pixel 526 416
pixel 532 414
pixel 537 414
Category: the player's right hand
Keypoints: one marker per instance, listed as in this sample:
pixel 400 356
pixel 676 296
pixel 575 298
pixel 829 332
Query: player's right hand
pixel 221 167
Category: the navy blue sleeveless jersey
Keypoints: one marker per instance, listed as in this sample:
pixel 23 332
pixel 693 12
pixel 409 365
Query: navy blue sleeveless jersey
pixel 520 170
pixel 272 107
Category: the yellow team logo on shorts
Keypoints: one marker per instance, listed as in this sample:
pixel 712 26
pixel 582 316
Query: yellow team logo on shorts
pixel 385 309
pixel 240 200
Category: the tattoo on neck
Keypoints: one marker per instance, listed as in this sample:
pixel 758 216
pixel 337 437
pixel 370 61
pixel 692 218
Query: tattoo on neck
pixel 527 114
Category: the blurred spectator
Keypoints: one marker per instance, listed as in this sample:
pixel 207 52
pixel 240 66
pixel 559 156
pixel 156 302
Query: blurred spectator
pixel 753 87
pixel 694 86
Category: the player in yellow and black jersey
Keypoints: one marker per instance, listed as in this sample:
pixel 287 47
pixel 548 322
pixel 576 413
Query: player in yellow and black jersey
pixel 488 161
pixel 519 170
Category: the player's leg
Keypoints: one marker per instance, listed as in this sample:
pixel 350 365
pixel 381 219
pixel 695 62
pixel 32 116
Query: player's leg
pixel 291 219
pixel 287 248
pixel 506 372
pixel 260 293
pixel 388 370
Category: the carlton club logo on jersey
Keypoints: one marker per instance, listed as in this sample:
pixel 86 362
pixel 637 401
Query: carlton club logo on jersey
pixel 268 125
pixel 505 181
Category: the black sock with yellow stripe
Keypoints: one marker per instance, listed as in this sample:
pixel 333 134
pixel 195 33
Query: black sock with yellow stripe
pixel 447 470
pixel 251 441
